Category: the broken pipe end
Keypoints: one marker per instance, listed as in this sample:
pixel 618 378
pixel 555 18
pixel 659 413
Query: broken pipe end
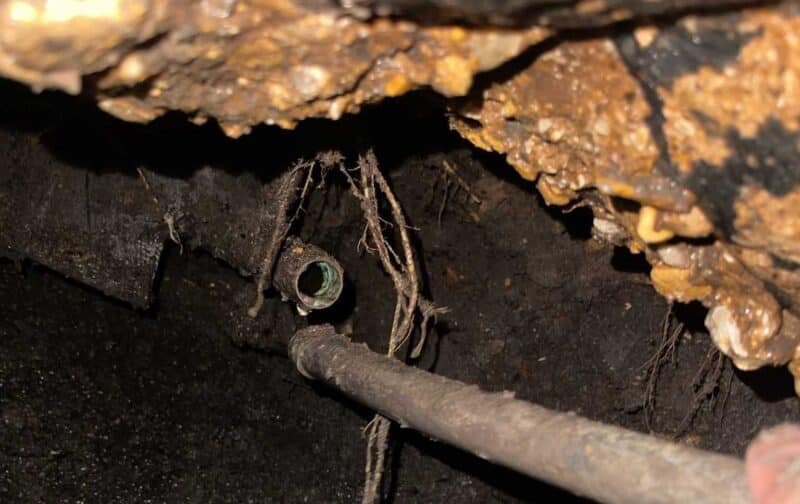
pixel 308 275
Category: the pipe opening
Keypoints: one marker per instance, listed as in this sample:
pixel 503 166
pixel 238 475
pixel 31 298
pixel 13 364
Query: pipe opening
pixel 319 284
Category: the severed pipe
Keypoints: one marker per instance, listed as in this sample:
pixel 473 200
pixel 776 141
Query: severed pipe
pixel 606 463
pixel 307 275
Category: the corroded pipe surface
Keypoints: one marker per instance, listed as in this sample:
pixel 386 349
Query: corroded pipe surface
pixel 606 463
pixel 308 275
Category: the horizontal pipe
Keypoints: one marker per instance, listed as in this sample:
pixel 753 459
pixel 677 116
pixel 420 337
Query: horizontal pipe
pixel 606 463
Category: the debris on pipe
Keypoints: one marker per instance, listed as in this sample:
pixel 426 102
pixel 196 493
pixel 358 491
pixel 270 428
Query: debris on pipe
pixel 308 275
pixel 606 463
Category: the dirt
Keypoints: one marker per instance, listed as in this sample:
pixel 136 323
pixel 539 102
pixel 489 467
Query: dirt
pixel 100 402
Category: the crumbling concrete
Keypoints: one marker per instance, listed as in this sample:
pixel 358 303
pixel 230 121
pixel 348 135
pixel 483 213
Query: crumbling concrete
pixel 241 62
pixel 684 141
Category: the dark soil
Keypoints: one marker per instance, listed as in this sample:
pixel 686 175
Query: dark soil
pixel 103 403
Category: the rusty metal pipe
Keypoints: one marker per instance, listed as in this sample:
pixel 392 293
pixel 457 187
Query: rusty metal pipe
pixel 308 275
pixel 606 463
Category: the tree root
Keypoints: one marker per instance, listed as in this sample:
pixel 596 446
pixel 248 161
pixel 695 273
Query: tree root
pixel 706 385
pixel 369 188
pixel 671 331
pixel 450 177
pixel 286 197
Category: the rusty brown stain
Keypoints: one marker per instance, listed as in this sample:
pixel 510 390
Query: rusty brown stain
pixel 763 82
pixel 767 221
pixel 573 119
